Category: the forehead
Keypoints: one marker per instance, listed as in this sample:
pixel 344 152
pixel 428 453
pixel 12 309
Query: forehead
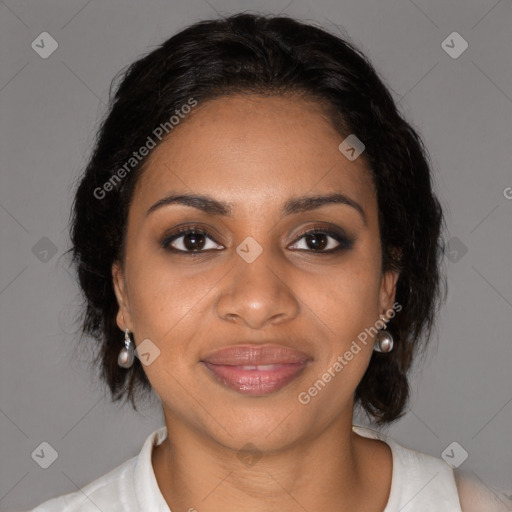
pixel 253 149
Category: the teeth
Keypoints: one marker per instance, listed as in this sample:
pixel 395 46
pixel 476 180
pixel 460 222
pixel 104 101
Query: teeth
pixel 259 367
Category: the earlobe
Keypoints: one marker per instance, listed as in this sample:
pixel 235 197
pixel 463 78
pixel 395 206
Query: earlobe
pixel 388 289
pixel 123 317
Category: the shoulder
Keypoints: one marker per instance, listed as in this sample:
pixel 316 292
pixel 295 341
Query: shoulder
pixel 476 497
pixel 123 489
pixel 420 482
pixel 425 482
pixel 102 494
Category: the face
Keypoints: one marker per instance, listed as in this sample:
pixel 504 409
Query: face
pixel 247 295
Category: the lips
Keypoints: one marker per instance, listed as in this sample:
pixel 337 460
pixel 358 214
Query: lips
pixel 256 369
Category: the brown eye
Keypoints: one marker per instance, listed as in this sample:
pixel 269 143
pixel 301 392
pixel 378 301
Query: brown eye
pixel 190 240
pixel 322 241
pixel 317 241
pixel 194 241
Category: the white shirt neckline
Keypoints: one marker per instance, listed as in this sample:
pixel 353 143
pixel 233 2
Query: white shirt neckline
pixel 150 498
pixel 419 483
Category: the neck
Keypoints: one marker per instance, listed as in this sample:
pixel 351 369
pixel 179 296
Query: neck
pixel 326 473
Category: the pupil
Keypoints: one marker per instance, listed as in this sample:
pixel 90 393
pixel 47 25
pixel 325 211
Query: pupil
pixel 193 241
pixel 318 241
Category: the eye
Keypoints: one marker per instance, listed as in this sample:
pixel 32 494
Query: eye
pixel 190 239
pixel 196 240
pixel 322 240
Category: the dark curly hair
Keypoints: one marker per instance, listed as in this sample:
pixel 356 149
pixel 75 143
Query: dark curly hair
pixel 269 55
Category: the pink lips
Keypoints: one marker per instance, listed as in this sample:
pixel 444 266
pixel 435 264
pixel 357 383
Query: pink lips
pixel 256 369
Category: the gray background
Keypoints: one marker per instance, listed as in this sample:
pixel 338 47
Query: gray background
pixel 49 111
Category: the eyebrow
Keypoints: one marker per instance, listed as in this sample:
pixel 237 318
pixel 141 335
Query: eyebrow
pixel 293 206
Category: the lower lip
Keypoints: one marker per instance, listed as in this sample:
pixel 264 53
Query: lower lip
pixel 256 382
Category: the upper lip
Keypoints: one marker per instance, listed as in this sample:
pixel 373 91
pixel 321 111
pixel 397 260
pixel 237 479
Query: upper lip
pixel 247 354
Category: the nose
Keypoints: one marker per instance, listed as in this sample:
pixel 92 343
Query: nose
pixel 258 293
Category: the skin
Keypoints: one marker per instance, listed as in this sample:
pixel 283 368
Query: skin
pixel 256 153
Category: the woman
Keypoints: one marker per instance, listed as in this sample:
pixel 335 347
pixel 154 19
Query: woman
pixel 259 221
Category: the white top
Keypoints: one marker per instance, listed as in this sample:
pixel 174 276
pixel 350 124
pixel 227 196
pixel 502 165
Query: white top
pixel 420 483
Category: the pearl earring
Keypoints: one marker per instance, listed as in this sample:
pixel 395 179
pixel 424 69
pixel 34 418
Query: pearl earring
pixel 126 355
pixel 383 341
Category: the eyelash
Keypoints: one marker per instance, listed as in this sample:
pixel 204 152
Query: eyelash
pixel 344 242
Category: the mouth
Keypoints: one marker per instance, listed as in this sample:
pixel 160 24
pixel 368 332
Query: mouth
pixel 256 370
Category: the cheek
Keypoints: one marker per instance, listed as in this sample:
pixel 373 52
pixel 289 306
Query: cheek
pixel 346 296
pixel 166 299
pixel 346 301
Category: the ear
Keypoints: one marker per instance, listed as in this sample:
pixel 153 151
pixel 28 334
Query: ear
pixel 123 317
pixel 388 290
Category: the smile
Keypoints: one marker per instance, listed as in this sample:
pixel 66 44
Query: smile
pixel 256 379
pixel 255 369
